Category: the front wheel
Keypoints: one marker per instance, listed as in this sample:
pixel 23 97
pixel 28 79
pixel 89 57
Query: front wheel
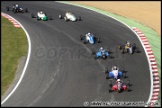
pixel 98 40
pixel 7 8
pixel 79 18
pixel 26 10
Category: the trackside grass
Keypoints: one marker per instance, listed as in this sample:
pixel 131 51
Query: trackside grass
pixel 14 46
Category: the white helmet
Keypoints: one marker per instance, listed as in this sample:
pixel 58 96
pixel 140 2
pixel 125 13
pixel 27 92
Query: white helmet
pixel 41 12
pixel 16 5
pixel 115 67
pixel 118 80
pixel 89 33
pixel 101 48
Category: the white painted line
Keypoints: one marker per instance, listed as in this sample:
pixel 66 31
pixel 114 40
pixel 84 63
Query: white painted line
pixel 26 64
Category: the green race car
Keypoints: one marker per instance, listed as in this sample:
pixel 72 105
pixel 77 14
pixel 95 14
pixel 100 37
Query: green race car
pixel 41 16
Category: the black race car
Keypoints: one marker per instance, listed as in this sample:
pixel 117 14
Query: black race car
pixel 17 9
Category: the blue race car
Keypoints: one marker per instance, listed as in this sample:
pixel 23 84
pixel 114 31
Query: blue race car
pixel 89 38
pixel 115 73
pixel 102 53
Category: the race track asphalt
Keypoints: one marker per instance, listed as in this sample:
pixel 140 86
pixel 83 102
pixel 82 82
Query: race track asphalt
pixel 62 71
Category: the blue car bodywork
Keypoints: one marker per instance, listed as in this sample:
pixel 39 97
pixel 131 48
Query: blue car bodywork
pixel 101 54
pixel 91 39
pixel 115 76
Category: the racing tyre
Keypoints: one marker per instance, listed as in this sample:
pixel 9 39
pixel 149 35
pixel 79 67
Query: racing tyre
pixel 93 52
pixel 26 10
pixel 107 77
pixel 7 8
pixel 38 18
pixel 79 18
pixel 84 42
pixel 106 70
pixel 110 90
pixel 95 57
pixel 50 18
pixel 14 10
pixel 81 37
pixel 137 50
pixel 32 15
pixel 98 40
pixel 60 16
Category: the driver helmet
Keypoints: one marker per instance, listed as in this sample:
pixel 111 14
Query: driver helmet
pixel 41 12
pixel 115 67
pixel 101 48
pixel 89 33
pixel 118 80
pixel 16 5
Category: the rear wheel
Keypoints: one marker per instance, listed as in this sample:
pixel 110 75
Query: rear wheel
pixel 38 18
pixel 98 40
pixel 26 10
pixel 81 37
pixel 84 42
pixel 7 8
pixel 50 18
pixel 32 15
pixel 79 18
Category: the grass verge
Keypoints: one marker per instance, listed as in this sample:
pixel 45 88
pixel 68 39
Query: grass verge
pixel 14 46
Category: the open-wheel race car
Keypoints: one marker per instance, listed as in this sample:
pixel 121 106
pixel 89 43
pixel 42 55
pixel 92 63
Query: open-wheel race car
pixel 102 53
pixel 119 86
pixel 129 48
pixel 89 37
pixel 41 16
pixel 17 9
pixel 115 72
pixel 69 16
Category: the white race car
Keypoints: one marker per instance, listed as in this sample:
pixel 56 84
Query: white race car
pixel 70 16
